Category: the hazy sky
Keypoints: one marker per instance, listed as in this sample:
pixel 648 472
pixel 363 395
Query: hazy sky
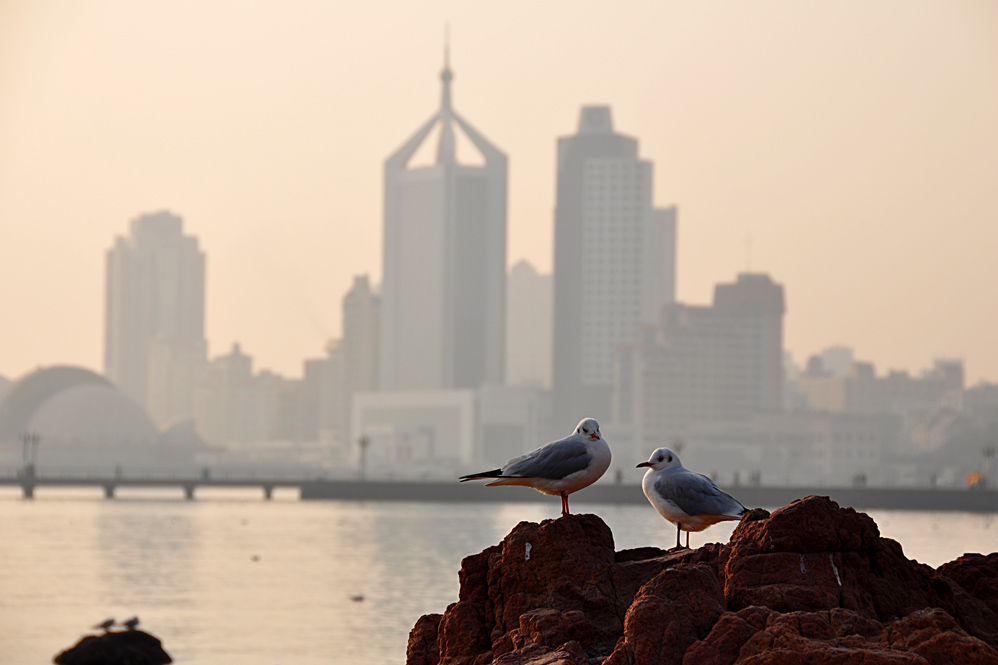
pixel 854 142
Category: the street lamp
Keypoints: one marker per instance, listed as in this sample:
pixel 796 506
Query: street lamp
pixel 989 462
pixel 364 441
pixel 30 451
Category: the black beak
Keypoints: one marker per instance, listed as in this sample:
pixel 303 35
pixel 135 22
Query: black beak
pixel 643 464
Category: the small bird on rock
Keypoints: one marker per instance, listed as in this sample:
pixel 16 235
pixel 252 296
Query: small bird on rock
pixel 131 623
pixel 689 500
pixel 106 625
pixel 558 468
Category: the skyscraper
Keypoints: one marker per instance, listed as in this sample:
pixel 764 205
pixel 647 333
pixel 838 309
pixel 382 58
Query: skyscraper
pixel 443 296
pixel 155 292
pixel 714 364
pixel 528 327
pixel 614 262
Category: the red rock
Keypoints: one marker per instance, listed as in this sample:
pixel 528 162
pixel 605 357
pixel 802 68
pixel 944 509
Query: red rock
pixel 976 573
pixel 811 583
pixel 672 611
pixel 465 629
pixel 565 565
pixel 725 640
pixel 935 636
pixel 423 648
pixel 570 653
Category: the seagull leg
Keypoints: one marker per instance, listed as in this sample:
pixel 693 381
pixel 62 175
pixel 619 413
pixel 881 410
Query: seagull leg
pixel 687 540
pixel 564 504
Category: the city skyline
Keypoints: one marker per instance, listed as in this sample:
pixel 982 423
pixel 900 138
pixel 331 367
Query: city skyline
pixel 850 157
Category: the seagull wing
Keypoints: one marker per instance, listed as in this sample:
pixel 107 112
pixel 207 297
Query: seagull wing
pixel 553 461
pixel 696 494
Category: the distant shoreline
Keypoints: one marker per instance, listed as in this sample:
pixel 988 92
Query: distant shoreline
pixel 975 501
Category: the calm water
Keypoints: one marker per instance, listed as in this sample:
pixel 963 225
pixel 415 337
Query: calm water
pixel 232 579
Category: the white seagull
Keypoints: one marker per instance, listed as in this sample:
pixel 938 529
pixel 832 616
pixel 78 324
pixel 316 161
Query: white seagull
pixel 689 500
pixel 558 468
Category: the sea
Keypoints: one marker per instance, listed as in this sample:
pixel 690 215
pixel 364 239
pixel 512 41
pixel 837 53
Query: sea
pixel 231 578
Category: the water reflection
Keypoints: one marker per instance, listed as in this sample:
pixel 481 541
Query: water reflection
pixel 236 579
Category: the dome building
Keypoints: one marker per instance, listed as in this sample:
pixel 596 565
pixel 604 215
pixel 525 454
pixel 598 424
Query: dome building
pixel 82 421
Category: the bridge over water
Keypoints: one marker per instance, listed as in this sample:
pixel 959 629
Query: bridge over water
pixel 28 480
pixel 313 486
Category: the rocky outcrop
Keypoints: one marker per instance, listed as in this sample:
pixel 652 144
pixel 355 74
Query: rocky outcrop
pixel 810 583
pixel 129 647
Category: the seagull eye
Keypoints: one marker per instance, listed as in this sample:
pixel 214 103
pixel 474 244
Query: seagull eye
pixel 670 458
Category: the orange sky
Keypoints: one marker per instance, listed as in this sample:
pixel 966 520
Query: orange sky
pixel 854 143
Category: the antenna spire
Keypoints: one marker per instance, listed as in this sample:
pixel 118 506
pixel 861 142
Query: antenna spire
pixel 446 74
pixel 447 45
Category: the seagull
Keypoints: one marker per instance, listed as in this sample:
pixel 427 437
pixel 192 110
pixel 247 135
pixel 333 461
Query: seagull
pixel 558 468
pixel 106 625
pixel 131 623
pixel 689 500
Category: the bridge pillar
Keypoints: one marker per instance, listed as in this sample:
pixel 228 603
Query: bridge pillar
pixel 268 491
pixel 28 491
pixel 109 491
pixel 189 492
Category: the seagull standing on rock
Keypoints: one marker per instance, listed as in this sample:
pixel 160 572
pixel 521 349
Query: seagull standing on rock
pixel 689 500
pixel 558 468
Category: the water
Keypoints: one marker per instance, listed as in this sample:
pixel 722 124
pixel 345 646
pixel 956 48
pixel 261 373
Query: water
pixel 230 578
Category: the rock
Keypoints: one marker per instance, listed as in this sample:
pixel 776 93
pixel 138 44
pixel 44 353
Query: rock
pixel 759 635
pixel 811 582
pixel 813 555
pixel 976 573
pixel 130 647
pixel 672 611
pixel 423 647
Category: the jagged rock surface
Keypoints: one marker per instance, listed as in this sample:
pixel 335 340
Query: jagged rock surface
pixel 810 583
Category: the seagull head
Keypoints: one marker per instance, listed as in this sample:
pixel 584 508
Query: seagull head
pixel 663 458
pixel 588 428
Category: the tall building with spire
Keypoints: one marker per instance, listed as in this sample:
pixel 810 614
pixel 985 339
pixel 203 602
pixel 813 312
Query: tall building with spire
pixel 443 295
pixel 614 261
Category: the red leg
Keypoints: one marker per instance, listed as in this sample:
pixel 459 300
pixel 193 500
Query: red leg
pixel 564 504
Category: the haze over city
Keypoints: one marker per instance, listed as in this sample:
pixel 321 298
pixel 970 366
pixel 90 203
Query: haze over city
pixel 847 149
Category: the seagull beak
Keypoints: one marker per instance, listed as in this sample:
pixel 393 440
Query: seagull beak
pixel 643 464
pixel 595 436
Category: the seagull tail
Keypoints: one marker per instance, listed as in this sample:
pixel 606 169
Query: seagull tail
pixel 494 473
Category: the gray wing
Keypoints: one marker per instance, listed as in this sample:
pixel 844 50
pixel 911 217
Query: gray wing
pixel 697 494
pixel 554 461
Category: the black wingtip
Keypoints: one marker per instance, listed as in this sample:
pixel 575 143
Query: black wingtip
pixel 494 473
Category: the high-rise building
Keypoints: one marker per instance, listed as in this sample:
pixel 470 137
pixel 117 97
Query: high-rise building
pixel 361 322
pixel 442 316
pixel 714 364
pixel 155 291
pixel 614 262
pixel 528 327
